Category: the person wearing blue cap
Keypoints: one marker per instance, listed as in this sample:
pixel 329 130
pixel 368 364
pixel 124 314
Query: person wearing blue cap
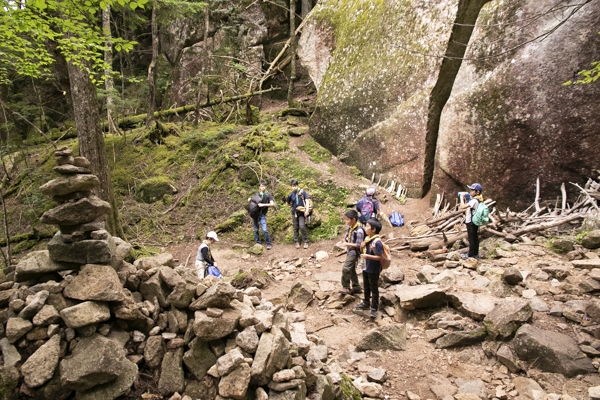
pixel 471 207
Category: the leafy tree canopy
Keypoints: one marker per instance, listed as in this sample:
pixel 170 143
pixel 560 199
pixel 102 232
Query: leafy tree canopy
pixel 27 27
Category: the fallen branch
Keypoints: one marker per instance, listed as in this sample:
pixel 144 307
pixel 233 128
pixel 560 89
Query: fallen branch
pixel 542 226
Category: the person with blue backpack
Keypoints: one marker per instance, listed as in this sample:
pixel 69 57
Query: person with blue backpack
pixel 353 238
pixel 368 207
pixel 471 204
pixel 205 263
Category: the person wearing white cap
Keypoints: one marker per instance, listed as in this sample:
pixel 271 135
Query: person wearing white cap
pixel 204 258
pixel 368 207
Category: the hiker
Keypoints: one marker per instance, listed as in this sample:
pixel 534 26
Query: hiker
pixel 204 257
pixel 368 206
pixel 297 198
pixel 266 201
pixel 471 207
pixel 372 250
pixel 352 241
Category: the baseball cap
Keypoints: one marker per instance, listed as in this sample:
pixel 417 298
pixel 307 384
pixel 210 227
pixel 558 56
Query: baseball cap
pixel 476 186
pixel 371 191
pixel 212 235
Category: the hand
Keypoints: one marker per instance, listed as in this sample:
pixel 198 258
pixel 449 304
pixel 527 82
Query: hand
pixel 260 204
pixel 249 198
pixel 363 256
pixel 306 213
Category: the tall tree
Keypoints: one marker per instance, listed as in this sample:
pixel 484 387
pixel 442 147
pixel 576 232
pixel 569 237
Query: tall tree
pixel 108 78
pixel 293 45
pixel 152 69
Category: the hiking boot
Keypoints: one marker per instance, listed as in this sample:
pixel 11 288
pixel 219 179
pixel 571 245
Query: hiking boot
pixel 306 245
pixel 269 247
pixel 345 291
pixel 373 314
pixel 363 306
pixel 356 291
pixel 297 245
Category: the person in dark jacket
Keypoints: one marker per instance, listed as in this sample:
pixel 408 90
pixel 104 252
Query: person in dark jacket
pixel 297 198
pixel 266 201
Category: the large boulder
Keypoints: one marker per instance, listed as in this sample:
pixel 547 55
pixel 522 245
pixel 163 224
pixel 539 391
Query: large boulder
pixel 473 305
pixel 420 296
pixel 84 314
pixel 95 282
pixel 591 240
pixel 391 337
pixel 211 328
pixel 172 378
pixel 506 317
pixel 271 356
pixel 40 366
pixel 218 295
pixel 551 351
pixel 199 358
pixel 90 251
pixel 37 264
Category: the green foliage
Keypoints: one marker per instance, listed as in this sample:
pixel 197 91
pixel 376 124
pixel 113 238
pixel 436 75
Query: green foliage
pixel 580 236
pixel 315 151
pixel 26 29
pixel 235 220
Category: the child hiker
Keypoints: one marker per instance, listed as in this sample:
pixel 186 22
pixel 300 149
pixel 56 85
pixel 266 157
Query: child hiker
pixel 471 208
pixel 372 250
pixel 204 257
pixel 352 241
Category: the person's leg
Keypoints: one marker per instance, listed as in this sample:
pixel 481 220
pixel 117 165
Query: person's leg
pixel 296 226
pixel 472 237
pixel 256 237
pixel 353 276
pixel 346 271
pixel 367 289
pixel 475 241
pixel 200 269
pixel 374 285
pixel 263 226
pixel 302 222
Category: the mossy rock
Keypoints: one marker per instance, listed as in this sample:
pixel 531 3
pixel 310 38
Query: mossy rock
pixel 563 246
pixel 236 219
pixel 154 189
pixel 245 279
pixel 298 131
pixel 346 390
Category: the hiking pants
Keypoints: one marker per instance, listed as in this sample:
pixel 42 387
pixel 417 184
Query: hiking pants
pixel 300 224
pixel 201 269
pixel 349 277
pixel 371 288
pixel 473 237
pixel 262 220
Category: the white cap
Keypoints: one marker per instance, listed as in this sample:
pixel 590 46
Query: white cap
pixel 212 235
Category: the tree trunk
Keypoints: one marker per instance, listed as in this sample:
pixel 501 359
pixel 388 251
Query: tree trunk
pixel 204 65
pixel 290 96
pixel 108 59
pixel 152 69
pixel 91 141
pixel 306 7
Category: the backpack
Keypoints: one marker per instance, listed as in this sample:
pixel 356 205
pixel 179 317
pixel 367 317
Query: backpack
pixel 214 271
pixel 396 219
pixel 366 210
pixel 308 203
pixel 252 207
pixel 386 257
pixel 482 215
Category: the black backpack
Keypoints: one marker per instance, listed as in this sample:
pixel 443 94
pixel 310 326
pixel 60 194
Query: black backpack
pixel 252 207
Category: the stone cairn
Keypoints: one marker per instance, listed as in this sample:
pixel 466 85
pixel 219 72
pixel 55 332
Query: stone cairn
pixel 79 320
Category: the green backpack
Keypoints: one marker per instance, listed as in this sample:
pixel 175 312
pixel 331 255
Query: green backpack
pixel 482 215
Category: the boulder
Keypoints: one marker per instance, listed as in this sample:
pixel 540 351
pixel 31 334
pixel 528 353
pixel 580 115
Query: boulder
pixel 34 304
pixel 299 340
pixel 154 189
pixel 47 315
pixel 218 295
pixel 420 296
pixel 95 282
pixel 10 354
pixel 235 384
pixel 473 305
pixel 37 264
pixel 199 358
pixel 155 287
pixel 39 367
pixel 512 276
pixel 154 351
pixel 84 314
pixel 526 387
pixel 300 296
pixel 296 394
pixel 229 361
pixel 207 328
pixel 172 377
pixel 391 337
pixel 506 317
pixel 128 374
pixel 85 210
pixel 551 351
pixel 88 251
pixel 16 328
pixel 461 338
pixel 68 184
pixel 271 356
pixel 170 277
pixel 392 275
pixel 507 357
pixel 248 339
pixel 591 240
pixel 163 259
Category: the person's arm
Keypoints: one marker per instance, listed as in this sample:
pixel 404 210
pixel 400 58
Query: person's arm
pixel 206 256
pixel 270 203
pixel 463 204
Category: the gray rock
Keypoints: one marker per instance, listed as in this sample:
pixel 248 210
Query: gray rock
pixel 163 259
pixel 391 337
pixel 551 351
pixel 37 264
pixel 441 386
pixel 378 375
pixel 563 245
pixel 34 304
pixel 218 295
pixel 5 296
pixel 512 276
pixel 473 305
pixel 475 387
pixel 207 328
pixel 421 296
pixel 95 360
pixel 296 394
pixel 172 378
pixel 16 328
pixel 47 315
pixel 265 320
pixel 260 394
pixel 10 381
pixel 248 339
pixel 461 338
pixel 271 356
pixel 539 305
pixel 594 392
pixel 229 361
pixel 324 388
pixel 154 351
pixel 235 384
pixel 587 264
pixel 199 358
pixel 317 353
pixel 84 314
pixel 68 169
pixel 39 367
pixel 392 275
pixel 10 354
pixel 593 309
pixel 287 385
pixel 79 212
pixel 128 374
pixel 95 282
pixel 507 357
pixel 591 240
pixel 284 375
pixel 590 286
pixel 155 287
pixel 525 387
pixel 559 273
pixel 444 278
pixel 170 277
pixel 506 317
pixel 69 184
pixel 300 296
pixel 82 252
pixel 299 340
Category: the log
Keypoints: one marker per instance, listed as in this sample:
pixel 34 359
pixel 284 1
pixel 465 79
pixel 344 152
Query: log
pixel 546 225
pixel 423 244
pixel 449 241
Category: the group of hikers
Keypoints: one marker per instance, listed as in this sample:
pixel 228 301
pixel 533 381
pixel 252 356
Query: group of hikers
pixel 361 239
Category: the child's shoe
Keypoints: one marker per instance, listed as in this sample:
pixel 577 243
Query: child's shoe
pixel 363 306
pixel 373 313
pixel 297 245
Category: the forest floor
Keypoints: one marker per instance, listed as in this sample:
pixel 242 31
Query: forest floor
pixel 411 373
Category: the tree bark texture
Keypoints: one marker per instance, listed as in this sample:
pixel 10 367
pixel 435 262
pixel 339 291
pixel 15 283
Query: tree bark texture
pixel 91 141
pixel 152 69
pixel 306 7
pixel 108 59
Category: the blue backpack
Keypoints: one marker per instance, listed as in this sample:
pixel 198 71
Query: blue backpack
pixel 212 270
pixel 396 219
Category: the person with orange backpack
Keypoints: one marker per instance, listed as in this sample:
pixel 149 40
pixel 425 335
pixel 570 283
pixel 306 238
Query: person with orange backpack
pixel 352 241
